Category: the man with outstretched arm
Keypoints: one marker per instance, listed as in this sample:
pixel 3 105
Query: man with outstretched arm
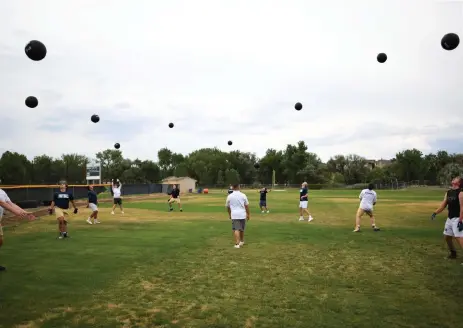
pixel 7 204
pixel 453 201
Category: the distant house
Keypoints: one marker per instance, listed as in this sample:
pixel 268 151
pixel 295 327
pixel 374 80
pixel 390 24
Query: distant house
pixel 183 183
pixel 372 163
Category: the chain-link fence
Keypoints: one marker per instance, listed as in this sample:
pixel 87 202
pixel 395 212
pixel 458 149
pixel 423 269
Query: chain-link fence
pixel 44 194
pixel 392 185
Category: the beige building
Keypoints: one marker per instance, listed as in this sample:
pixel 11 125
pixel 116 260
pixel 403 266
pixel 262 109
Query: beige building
pixel 184 183
pixel 372 163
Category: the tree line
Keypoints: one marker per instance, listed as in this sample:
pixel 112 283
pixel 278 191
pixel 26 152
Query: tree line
pixel 211 166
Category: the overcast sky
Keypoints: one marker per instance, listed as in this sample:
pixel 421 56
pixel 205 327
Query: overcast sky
pixel 231 70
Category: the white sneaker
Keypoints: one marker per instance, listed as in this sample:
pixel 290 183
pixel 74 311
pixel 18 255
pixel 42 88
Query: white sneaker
pixel 112 212
pixel 60 237
pixel 241 243
pixel 268 211
pixel 310 218
pixel 89 221
pixel 122 212
pixel 237 246
pixel 263 212
pixel 96 221
pixel 301 219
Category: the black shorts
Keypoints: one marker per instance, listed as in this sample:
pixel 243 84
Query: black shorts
pixel 117 201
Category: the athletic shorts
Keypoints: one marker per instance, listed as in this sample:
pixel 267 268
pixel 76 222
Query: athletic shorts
pixel 174 200
pixel 1 217
pixel 60 212
pixel 117 201
pixel 263 203
pixel 303 204
pixel 238 225
pixel 368 211
pixel 93 207
pixel 451 228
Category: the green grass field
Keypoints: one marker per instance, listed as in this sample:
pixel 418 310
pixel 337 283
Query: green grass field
pixel 152 268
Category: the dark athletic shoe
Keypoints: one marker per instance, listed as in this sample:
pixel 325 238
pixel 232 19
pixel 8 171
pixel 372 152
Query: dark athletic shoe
pixel 2 268
pixel 452 256
pixel 376 229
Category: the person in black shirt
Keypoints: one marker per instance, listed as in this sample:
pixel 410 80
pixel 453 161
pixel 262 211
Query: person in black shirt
pixel 303 202
pixel 175 198
pixel 92 203
pixel 453 200
pixel 263 200
pixel 60 204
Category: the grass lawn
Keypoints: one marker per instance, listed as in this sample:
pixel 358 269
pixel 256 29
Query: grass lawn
pixel 152 268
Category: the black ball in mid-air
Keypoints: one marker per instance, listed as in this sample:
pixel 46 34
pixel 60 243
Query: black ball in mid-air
pixel 230 142
pixel 171 125
pixel 117 146
pixel 95 118
pixel 31 102
pixel 381 58
pixel 450 41
pixel 257 165
pixel 35 50
pixel 298 106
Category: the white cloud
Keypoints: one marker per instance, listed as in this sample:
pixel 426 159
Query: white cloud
pixel 222 70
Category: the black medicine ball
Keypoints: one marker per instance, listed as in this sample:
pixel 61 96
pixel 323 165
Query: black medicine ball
pixel 95 118
pixel 230 142
pixel 381 58
pixel 31 102
pixel 171 125
pixel 35 50
pixel 450 41
pixel 257 165
pixel 117 146
pixel 298 106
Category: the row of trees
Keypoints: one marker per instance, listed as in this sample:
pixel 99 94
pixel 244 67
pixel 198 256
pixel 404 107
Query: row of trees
pixel 212 166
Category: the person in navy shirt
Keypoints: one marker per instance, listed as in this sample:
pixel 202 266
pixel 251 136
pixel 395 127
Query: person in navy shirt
pixel 175 198
pixel 60 204
pixel 303 202
pixel 92 203
pixel 263 200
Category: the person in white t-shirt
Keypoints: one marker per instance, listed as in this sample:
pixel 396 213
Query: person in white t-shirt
pixel 7 204
pixel 368 200
pixel 117 191
pixel 238 212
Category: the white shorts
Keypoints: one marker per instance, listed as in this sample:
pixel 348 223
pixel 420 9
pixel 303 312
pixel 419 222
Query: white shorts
pixel 451 228
pixel 367 209
pixel 303 204
pixel 93 207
